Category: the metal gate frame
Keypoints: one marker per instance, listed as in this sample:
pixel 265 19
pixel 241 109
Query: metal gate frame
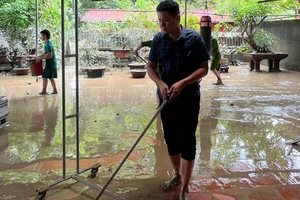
pixel 42 191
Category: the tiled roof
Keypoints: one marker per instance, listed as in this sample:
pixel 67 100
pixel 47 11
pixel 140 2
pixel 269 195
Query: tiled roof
pixel 215 18
pixel 121 15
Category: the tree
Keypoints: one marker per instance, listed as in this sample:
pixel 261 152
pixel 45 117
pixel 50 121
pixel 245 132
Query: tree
pixel 17 20
pixel 102 4
pixel 141 4
pixel 50 18
pixel 249 14
pixel 16 15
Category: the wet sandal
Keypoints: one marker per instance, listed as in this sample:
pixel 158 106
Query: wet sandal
pixel 171 184
pixel 218 83
pixel 42 93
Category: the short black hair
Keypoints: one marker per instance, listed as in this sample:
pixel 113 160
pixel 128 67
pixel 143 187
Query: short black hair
pixel 169 6
pixel 47 33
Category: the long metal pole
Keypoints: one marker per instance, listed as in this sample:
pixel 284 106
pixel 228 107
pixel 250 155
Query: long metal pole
pixel 77 85
pixel 185 14
pixel 36 26
pixel 132 148
pixel 63 85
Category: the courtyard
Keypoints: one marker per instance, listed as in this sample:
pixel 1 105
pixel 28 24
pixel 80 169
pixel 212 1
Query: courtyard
pixel 244 137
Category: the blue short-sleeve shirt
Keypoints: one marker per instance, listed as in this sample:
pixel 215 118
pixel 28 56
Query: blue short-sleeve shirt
pixel 179 59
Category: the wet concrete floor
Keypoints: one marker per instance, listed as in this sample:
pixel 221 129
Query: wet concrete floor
pixel 245 130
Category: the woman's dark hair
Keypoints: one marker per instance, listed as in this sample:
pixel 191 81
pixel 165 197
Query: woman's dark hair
pixel 47 33
pixel 169 6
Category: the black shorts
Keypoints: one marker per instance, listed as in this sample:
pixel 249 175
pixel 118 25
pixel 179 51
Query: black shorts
pixel 180 119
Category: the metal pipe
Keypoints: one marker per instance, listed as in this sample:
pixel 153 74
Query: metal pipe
pixel 36 26
pixel 77 86
pixel 63 85
pixel 97 188
pixel 132 148
pixel 185 14
pixel 142 58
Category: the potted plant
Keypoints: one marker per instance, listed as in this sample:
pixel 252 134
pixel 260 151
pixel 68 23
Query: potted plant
pixel 248 15
pixel 18 57
pixel 94 61
pixel 11 54
pixel 120 50
pixel 22 67
pixel 225 52
pixel 4 49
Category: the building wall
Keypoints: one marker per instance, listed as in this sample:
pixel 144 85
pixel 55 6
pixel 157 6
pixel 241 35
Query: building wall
pixel 288 32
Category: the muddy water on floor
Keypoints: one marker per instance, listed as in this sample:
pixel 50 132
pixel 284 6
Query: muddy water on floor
pixel 243 130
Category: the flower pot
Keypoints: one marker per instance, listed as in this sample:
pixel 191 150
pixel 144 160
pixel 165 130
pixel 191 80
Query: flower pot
pixel 3 59
pixel 138 73
pixel 224 62
pixel 4 62
pixel 20 58
pixel 135 65
pixel 224 65
pixel 121 53
pixel 95 72
pixel 21 71
pixel 3 109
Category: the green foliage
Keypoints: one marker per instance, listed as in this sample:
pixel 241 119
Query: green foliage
pixel 16 15
pixel 243 48
pixel 17 20
pixel 192 22
pixel 125 4
pixel 141 4
pixel 229 33
pixel 92 57
pixel 50 18
pixel 146 5
pixel 11 48
pixel 249 14
pixel 265 40
pixel 246 10
pixel 4 43
pixel 105 4
pixel 141 20
pixel 223 25
pixel 196 4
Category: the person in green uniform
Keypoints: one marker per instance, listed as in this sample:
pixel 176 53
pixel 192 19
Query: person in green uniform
pixel 215 63
pixel 50 71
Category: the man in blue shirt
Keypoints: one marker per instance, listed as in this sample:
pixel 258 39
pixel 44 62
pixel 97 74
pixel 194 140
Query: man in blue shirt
pixel 183 60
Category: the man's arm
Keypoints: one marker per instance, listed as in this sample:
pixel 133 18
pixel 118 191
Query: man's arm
pixel 44 56
pixel 142 44
pixel 151 70
pixel 137 49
